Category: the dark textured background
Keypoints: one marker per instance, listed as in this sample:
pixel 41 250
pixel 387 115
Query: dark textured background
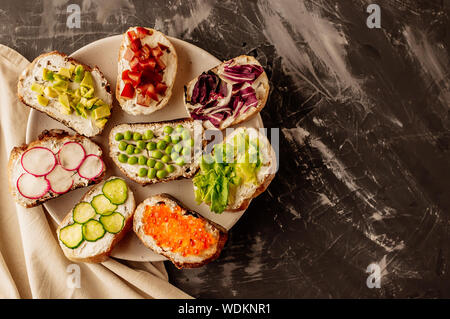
pixel 364 136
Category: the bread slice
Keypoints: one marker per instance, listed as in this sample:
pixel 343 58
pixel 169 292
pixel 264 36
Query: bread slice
pixel 53 61
pixel 131 171
pixel 53 140
pixel 243 194
pixel 169 58
pixel 98 251
pixel 260 86
pixel 189 260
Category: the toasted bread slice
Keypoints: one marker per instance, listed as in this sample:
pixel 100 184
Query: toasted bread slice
pixel 166 67
pixel 187 248
pixel 180 171
pixel 100 249
pixel 222 100
pixel 52 140
pixel 241 195
pixel 53 61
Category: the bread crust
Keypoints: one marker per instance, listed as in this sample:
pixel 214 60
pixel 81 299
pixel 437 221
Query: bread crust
pixel 45 136
pixel 185 175
pixel 69 59
pixel 243 117
pixel 223 234
pixel 117 237
pixel 163 102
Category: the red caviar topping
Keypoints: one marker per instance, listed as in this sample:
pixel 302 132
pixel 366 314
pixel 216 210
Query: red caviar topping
pixel 183 234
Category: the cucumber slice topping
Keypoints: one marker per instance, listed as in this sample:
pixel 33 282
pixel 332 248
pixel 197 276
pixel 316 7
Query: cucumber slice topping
pixel 113 223
pixel 116 191
pixel 71 235
pixel 102 205
pixel 83 212
pixel 93 230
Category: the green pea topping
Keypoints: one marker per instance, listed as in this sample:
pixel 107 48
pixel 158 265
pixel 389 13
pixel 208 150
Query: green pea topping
pixel 179 161
pixel 141 144
pixel 190 142
pixel 123 145
pixel 170 168
pixel 161 173
pixel 151 146
pixel 151 173
pixel 168 149
pixel 179 128
pixel 167 139
pixel 137 150
pixel 142 160
pixel 174 156
pixel 127 135
pixel 159 165
pixel 175 138
pixel 137 136
pixel 157 154
pixel 148 135
pixel 177 148
pixel 186 151
pixel 122 158
pixel 151 162
pixel 161 145
pixel 130 149
pixel 185 135
pixel 119 136
pixel 165 159
pixel 142 172
pixel 132 160
pixel 168 129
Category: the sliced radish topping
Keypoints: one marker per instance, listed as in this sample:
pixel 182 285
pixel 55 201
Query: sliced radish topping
pixel 71 155
pixel 91 168
pixel 38 161
pixel 60 180
pixel 32 187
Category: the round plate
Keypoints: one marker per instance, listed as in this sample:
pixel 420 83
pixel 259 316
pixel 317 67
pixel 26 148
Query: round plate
pixel 192 61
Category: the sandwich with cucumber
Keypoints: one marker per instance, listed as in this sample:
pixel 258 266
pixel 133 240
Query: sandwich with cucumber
pixel 150 153
pixel 147 68
pixel 186 238
pixel 53 165
pixel 97 222
pixel 236 171
pixel 68 91
pixel 228 94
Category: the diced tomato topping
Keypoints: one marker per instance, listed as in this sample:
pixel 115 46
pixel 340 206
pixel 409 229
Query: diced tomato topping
pixel 162 46
pixel 132 35
pixel 152 77
pixel 136 45
pixel 125 77
pixel 143 99
pixel 160 63
pixel 134 64
pixel 151 92
pixel 157 52
pixel 145 51
pixel 135 77
pixel 142 32
pixel 128 55
pixel 148 64
pixel 161 88
pixel 128 91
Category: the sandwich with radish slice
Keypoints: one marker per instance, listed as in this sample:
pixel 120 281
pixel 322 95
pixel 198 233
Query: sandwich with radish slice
pixel 97 222
pixel 54 164
pixel 147 68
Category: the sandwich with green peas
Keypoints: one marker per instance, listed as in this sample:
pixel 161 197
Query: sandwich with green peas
pixel 236 171
pixel 150 153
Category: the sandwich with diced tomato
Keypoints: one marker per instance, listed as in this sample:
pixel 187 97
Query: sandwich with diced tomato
pixel 146 71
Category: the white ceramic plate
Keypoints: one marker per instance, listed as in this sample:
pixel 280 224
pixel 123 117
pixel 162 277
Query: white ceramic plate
pixel 192 61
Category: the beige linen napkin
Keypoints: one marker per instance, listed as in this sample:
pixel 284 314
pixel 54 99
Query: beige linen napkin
pixel 32 264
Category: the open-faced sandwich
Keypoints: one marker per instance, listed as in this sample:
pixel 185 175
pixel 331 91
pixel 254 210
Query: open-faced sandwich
pixel 150 153
pixel 228 94
pixel 146 71
pixel 68 91
pixel 183 236
pixel 53 165
pixel 98 222
pixel 239 169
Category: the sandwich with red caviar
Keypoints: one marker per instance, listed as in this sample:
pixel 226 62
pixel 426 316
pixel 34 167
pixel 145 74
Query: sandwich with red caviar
pixel 146 71
pixel 186 238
